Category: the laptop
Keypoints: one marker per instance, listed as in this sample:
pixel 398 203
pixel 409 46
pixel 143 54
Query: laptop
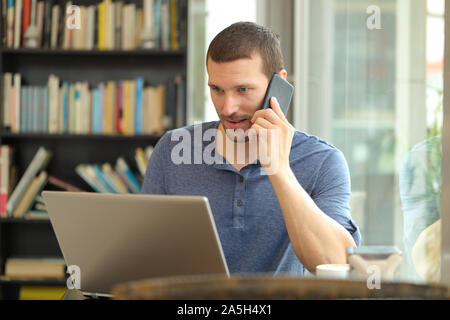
pixel 116 238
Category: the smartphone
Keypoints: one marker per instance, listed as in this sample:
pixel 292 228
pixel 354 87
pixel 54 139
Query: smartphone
pixel 280 89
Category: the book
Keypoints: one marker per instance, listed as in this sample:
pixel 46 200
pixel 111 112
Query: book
pixel 26 17
pixel 108 121
pixel 41 292
pixel 118 110
pixel 125 173
pixel 138 105
pixel 114 178
pixel 54 27
pixel 39 199
pixel 88 174
pixel 35 268
pixel 148 6
pixel 17 22
pixel 108 185
pixel 16 105
pixel 37 215
pixel 40 21
pixel 47 29
pixel 67 32
pixel 101 26
pixel 39 206
pixel 90 28
pixel 10 24
pixel 61 183
pixel 29 196
pixel 165 25
pixel 39 162
pixel 53 89
pixel 140 160
pixel 174 38
pixel 118 7
pixel 7 84
pixel 132 107
pixel 158 104
pixel 6 176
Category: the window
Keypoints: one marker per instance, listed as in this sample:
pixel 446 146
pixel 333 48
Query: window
pixel 374 89
pixel 207 18
pixel 221 14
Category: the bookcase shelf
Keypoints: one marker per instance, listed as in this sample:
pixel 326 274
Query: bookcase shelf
pixel 33 282
pixel 65 136
pixel 23 221
pixel 72 52
pixel 35 238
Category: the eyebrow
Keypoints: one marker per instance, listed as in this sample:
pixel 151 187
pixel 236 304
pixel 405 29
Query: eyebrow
pixel 244 85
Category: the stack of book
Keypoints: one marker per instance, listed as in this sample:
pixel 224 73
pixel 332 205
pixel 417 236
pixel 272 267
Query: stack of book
pixel 29 186
pixel 35 268
pixel 108 25
pixel 120 179
pixel 126 107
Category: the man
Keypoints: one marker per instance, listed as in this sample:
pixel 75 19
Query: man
pixel 295 217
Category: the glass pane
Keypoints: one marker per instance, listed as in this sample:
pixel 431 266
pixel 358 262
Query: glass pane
pixel 221 14
pixel 383 73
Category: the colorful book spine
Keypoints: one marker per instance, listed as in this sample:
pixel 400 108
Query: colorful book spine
pixel 138 103
pixel 123 169
pixel 5 164
pixel 107 184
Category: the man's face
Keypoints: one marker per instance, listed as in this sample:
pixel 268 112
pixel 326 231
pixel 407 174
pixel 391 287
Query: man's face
pixel 237 90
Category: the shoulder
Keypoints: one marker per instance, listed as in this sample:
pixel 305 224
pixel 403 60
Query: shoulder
pixel 313 149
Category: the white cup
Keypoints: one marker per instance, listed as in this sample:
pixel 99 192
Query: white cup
pixel 333 271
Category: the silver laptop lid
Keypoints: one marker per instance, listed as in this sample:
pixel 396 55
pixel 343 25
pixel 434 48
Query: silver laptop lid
pixel 115 238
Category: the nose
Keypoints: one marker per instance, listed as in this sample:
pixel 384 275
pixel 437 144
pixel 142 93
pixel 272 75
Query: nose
pixel 230 105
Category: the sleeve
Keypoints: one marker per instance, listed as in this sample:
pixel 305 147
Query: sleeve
pixel 332 191
pixel 154 180
pixel 420 184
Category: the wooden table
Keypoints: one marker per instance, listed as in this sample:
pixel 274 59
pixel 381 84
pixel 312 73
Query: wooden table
pixel 269 287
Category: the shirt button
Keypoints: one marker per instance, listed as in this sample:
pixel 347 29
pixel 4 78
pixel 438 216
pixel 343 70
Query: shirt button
pixel 241 179
pixel 239 203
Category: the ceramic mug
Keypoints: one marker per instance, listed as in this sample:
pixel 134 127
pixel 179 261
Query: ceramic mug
pixel 334 271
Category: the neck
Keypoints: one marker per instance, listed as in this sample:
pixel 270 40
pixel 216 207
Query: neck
pixel 237 153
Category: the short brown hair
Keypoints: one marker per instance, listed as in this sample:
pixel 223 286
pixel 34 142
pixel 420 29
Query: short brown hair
pixel 241 40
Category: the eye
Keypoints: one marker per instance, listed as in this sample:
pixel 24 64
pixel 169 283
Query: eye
pixel 216 89
pixel 243 90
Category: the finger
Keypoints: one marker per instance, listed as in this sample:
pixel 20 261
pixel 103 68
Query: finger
pixel 275 105
pixel 264 123
pixel 267 114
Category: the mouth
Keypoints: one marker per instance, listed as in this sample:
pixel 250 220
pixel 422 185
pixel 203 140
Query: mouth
pixel 236 124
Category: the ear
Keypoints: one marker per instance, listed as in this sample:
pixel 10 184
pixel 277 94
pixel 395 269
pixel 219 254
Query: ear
pixel 283 74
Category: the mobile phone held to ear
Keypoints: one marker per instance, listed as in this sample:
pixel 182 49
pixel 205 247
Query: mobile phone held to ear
pixel 280 89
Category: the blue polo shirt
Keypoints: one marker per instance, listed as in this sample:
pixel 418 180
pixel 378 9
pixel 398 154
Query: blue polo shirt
pixel 245 207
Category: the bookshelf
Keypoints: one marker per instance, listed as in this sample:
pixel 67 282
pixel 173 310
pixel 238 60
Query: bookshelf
pixel 35 238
